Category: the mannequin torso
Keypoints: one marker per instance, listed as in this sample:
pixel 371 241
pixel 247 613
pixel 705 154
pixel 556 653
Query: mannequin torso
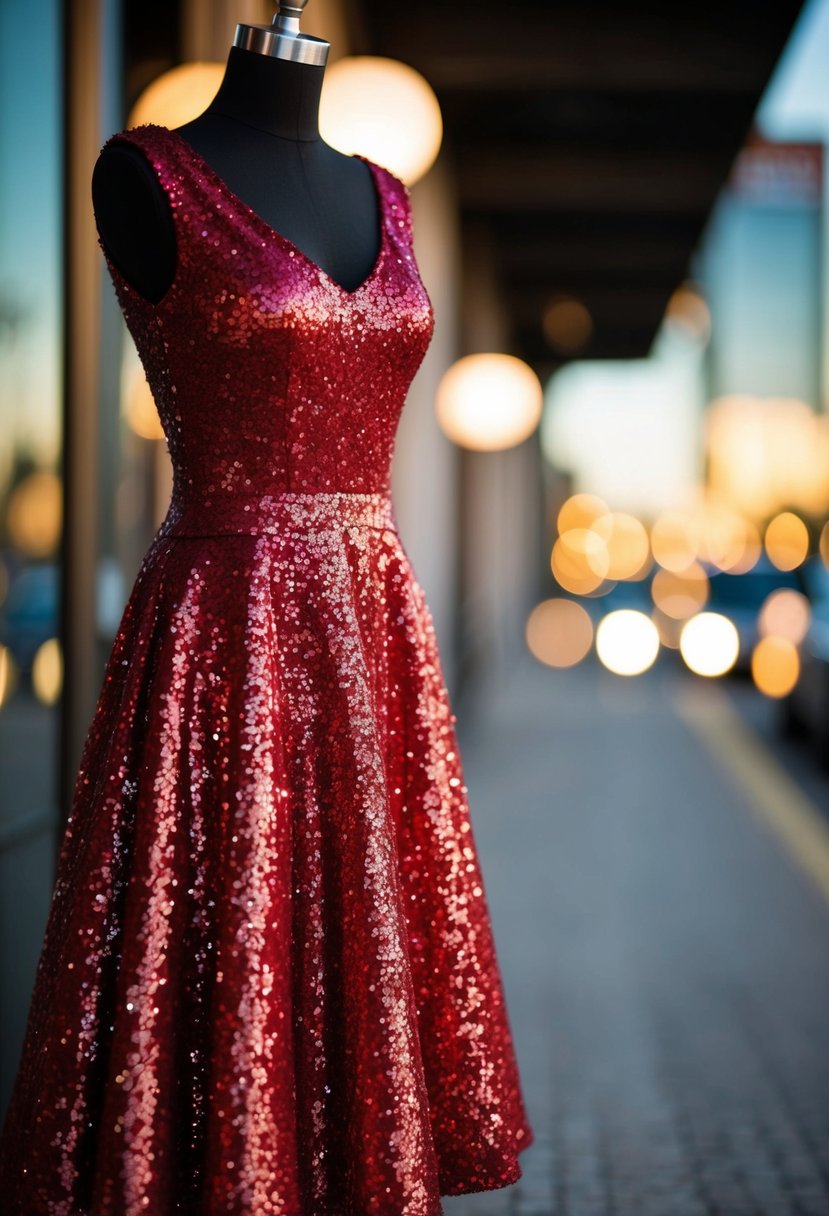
pixel 260 134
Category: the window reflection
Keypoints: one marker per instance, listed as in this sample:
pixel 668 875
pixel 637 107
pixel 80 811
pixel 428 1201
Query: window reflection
pixel 30 495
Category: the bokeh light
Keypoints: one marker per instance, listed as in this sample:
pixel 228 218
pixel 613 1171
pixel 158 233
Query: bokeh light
pixel 9 675
pixel 47 672
pixel 559 632
pixel 571 565
pixel 587 547
pixel 34 515
pixel 787 540
pixel 775 666
pixel 626 545
pixel 680 594
pixel 627 642
pixel 580 511
pixel 489 402
pixel 785 613
pixel 567 324
pixel 709 644
pixel 384 109
pixel 675 540
pixel 178 95
pixel 726 538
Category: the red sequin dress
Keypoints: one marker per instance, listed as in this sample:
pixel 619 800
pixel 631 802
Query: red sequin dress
pixel 268 985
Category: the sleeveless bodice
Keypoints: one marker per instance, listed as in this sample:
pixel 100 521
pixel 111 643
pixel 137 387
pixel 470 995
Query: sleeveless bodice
pixel 269 377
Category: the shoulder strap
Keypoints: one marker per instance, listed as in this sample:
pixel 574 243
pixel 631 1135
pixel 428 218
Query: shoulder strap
pixel 400 206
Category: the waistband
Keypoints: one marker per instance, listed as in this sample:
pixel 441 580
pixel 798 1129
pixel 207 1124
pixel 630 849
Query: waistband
pixel 285 512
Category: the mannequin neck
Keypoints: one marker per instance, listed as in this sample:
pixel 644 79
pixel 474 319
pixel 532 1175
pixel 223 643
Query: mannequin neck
pixel 274 95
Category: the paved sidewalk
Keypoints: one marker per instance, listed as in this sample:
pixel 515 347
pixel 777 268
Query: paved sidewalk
pixel 666 959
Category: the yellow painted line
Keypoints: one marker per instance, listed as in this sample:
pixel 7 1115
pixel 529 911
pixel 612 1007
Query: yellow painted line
pixel 772 794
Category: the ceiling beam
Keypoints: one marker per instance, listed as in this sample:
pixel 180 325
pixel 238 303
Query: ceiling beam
pixel 552 179
pixel 589 139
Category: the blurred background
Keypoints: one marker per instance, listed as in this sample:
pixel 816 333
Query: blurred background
pixel 612 477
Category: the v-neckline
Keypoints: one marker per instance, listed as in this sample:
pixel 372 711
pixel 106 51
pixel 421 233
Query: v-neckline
pixel 271 232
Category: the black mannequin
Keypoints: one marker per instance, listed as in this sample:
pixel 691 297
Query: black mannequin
pixel 260 133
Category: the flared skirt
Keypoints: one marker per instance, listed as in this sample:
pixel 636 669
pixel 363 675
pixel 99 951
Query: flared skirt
pixel 268 983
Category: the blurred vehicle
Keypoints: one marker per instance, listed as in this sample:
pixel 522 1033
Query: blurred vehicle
pixel 806 709
pixel 30 613
pixel 741 596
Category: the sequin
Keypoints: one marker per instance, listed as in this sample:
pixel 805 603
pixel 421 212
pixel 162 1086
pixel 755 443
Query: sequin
pixel 268 983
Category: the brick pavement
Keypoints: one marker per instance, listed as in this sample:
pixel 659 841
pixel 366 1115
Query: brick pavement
pixel 666 962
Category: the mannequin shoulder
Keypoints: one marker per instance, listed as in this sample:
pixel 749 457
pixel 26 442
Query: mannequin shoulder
pixel 123 177
pixel 134 218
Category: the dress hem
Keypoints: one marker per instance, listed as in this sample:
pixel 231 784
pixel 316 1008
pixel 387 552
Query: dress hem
pixel 471 1189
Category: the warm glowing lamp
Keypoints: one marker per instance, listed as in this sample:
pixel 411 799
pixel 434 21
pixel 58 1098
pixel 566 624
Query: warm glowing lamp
pixel 178 96
pixel 489 402
pixel 383 109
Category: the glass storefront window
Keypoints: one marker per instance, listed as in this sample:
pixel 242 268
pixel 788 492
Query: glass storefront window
pixel 30 494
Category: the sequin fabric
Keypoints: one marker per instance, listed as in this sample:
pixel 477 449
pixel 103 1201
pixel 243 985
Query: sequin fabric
pixel 268 984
